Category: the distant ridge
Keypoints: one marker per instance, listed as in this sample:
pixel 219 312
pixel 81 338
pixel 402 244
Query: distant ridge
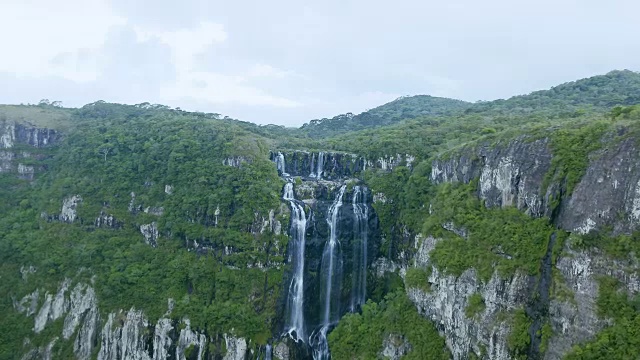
pixel 597 93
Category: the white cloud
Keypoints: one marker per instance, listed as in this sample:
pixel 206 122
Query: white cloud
pixel 186 43
pixel 289 61
pixel 220 89
pixel 264 70
pixel 54 38
pixel 193 84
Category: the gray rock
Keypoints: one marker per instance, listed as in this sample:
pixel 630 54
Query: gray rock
pixel 236 347
pixel 28 304
pixel 25 271
pixel 575 320
pixel 150 233
pixel 127 341
pixel 12 134
pixel 41 353
pixel 510 174
pixel 446 302
pixel 513 173
pixel 6 161
pixel 105 220
pixel 281 351
pixel 395 346
pixel 236 161
pixel 162 339
pixel 189 338
pixel 26 172
pixel 82 300
pixel 84 343
pixel 69 207
pixel 53 308
pixel 154 210
pixel 608 193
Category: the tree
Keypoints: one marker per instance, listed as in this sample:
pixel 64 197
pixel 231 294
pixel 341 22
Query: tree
pixel 104 149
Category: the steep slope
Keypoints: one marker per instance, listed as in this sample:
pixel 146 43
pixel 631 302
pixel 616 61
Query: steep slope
pixel 520 247
pixel 137 208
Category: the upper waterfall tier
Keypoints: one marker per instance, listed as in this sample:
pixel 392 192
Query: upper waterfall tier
pixel 332 165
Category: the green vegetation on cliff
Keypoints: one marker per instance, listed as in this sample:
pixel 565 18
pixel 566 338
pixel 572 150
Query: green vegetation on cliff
pixel 505 240
pixel 396 320
pixel 622 339
pixel 120 160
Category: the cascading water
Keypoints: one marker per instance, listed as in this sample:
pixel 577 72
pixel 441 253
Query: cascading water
pixel 312 168
pixel 295 297
pixel 331 268
pixel 320 165
pixel 267 352
pixel 281 165
pixel 360 239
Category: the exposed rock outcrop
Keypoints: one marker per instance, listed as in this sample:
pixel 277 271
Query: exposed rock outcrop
pixel 236 161
pixel 281 351
pixel 236 348
pixel 513 174
pixel 510 175
pixel 53 308
pixel 28 304
pixel 12 135
pixel 445 305
pixel 26 172
pixel 574 316
pixel 517 173
pixel 150 233
pixel 69 208
pixel 105 220
pixel 124 334
pixel 395 346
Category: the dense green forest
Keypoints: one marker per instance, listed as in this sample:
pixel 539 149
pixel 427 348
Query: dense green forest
pixel 115 151
pixel 151 164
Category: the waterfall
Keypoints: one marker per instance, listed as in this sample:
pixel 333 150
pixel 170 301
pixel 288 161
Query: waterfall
pixel 281 165
pixel 268 352
pixel 331 267
pixel 312 168
pixel 320 165
pixel 360 239
pixel 295 297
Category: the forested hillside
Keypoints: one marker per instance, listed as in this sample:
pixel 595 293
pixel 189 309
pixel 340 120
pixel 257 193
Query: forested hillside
pixel 148 191
pixel 423 228
pixel 597 94
pixel 407 107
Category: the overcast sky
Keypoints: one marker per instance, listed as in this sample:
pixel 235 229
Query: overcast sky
pixel 286 62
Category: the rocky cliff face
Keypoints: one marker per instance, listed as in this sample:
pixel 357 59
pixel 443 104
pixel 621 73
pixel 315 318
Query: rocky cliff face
pixel 513 174
pixel 19 143
pixel 486 333
pixel 509 175
pixel 574 318
pixel 124 334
